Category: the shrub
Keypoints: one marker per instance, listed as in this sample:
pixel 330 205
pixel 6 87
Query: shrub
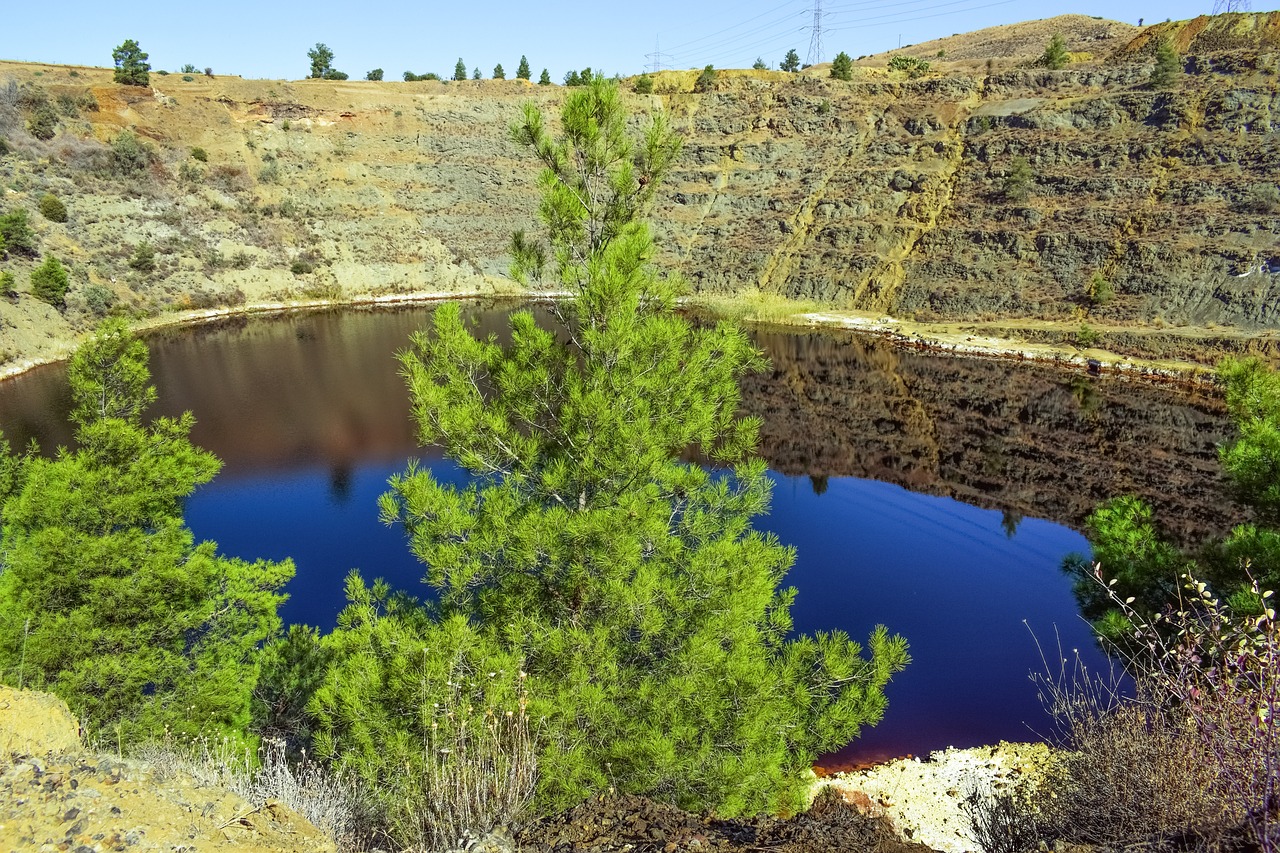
pixel 208 72
pixel 334 74
pixel 911 65
pixel 1018 181
pixel 842 67
pixel 1100 291
pixel 1055 54
pixel 759 64
pixel 130 155
pixel 1261 198
pixel 1006 821
pixel 187 78
pixel 499 73
pixel 374 75
pixel 52 208
pixel 8 284
pixel 43 123
pixel 131 64
pixel 49 282
pixel 98 299
pixel 143 258
pixel 644 85
pixel 200 154
pixel 1168 64
pixel 16 235
pixel 188 69
pixel 706 80
pixel 1087 336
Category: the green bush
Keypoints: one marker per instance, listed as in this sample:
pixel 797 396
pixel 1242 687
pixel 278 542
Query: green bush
pixel 759 64
pixel 49 282
pixel 842 67
pixel 143 258
pixel 644 85
pixel 374 75
pixel 706 80
pixel 1055 54
pixel 16 234
pixel 130 155
pixel 791 62
pixel 1100 291
pixel 43 123
pixel 52 208
pixel 99 300
pixel 8 284
pixel 913 66
pixel 1168 65
pixel 200 154
pixel 1018 181
pixel 187 78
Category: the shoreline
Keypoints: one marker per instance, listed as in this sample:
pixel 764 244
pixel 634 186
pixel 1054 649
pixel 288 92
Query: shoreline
pixel 902 334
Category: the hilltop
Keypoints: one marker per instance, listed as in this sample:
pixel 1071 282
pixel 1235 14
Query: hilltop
pixel 1147 223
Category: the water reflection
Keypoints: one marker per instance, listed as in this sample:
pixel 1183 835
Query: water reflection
pixel 915 487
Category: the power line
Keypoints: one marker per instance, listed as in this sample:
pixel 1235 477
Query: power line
pixel 657 56
pixel 815 40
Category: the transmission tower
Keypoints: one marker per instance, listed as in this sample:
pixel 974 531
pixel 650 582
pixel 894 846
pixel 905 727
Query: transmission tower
pixel 815 40
pixel 1221 6
pixel 657 56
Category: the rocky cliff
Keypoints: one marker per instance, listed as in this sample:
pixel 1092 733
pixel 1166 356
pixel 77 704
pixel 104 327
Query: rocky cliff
pixel 1144 209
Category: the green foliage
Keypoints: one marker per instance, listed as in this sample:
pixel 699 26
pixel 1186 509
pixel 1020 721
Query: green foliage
pixel 131 64
pixel 375 75
pixel 842 67
pixel 52 208
pixel 16 236
pixel 644 85
pixel 8 284
pixel 43 123
pixel 1252 461
pixel 293 668
pixel 791 63
pixel 1168 65
pixel 105 599
pixel 1087 336
pixel 1055 54
pixel 628 583
pixel 460 70
pixel 475 73
pixel 333 74
pixel 522 71
pixel 1099 290
pixel 99 299
pixel 49 282
pixel 706 80
pixel 143 258
pixel 499 73
pixel 1018 181
pixel 913 66
pixel 580 78
pixel 200 154
pixel 759 64
pixel 545 78
pixel 321 60
pixel 130 155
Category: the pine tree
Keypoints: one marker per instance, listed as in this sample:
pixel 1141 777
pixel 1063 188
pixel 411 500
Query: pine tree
pixel 522 72
pixel 105 599
pixel 1168 65
pixel 499 73
pixel 321 60
pixel 759 65
pixel 791 63
pixel 131 64
pixel 1055 54
pixel 545 78
pixel 842 67
pixel 630 584
pixel 475 73
pixel 1019 180
pixel 460 70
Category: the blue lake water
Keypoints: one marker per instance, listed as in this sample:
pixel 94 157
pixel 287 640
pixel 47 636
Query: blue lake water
pixel 311 420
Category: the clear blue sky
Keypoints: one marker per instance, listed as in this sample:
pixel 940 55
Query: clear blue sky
pixel 271 39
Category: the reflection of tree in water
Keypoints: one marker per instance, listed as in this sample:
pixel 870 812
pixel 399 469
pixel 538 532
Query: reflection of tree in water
pixel 340 483
pixel 818 482
pixel 1086 395
pixel 1009 521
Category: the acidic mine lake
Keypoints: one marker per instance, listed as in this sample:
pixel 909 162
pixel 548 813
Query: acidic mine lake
pixel 935 495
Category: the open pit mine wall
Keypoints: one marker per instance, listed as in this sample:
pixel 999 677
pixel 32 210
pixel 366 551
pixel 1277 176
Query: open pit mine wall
pixel 884 194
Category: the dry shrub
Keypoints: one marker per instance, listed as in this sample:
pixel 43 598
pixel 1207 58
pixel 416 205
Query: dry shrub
pixel 479 774
pixel 1194 752
pixel 1006 821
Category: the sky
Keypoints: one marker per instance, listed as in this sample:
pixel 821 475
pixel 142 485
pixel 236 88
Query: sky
pixel 267 39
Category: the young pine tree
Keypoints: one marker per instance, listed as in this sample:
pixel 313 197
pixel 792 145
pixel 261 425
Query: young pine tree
pixel 648 613
pixel 522 71
pixel 105 599
pixel 791 62
pixel 842 67
pixel 1168 65
pixel 460 70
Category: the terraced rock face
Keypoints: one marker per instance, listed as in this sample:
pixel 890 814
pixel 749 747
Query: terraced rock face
pixel 883 194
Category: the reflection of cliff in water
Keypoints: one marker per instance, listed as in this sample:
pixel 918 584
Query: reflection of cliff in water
pixel 282 393
pixel 1027 439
